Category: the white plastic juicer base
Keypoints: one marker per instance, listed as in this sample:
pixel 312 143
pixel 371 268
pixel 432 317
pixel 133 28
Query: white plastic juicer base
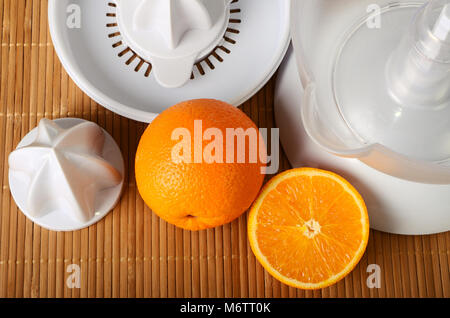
pixel 395 205
pixel 60 217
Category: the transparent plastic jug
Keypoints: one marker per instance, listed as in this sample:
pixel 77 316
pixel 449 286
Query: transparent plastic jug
pixel 377 82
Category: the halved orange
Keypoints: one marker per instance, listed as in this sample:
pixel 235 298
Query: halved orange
pixel 309 228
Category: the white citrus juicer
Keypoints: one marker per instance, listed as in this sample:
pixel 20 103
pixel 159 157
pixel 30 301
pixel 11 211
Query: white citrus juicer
pixel 376 79
pixel 138 57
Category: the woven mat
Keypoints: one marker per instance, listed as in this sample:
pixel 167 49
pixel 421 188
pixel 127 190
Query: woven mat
pixel 132 253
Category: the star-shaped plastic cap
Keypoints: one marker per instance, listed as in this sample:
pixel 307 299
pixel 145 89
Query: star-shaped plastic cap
pixel 66 170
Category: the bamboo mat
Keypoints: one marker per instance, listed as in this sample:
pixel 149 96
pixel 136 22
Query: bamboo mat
pixel 132 253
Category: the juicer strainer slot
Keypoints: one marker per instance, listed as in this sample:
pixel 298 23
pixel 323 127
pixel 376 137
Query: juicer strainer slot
pixel 201 68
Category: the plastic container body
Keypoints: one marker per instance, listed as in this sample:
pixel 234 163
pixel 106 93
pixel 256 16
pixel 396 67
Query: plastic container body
pixel 348 53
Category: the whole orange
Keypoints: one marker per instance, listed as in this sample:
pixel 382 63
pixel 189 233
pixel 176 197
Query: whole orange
pixel 190 174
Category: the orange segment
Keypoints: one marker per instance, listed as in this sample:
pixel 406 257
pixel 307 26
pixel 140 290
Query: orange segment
pixel 308 228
